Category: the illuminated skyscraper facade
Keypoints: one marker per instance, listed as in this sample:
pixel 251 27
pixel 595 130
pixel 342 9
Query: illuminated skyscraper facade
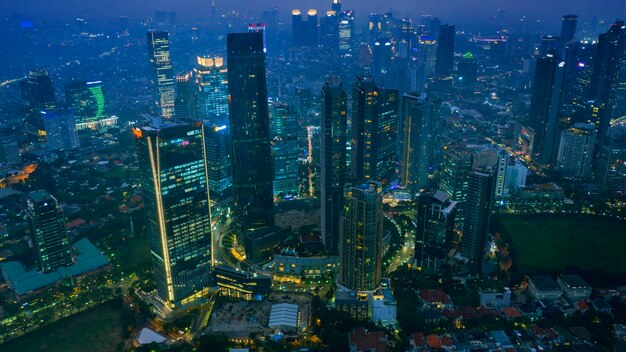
pixel 211 77
pixel 163 73
pixel 333 137
pixel 249 130
pixel 285 149
pixel 219 162
pixel 87 102
pixel 576 150
pixel 174 178
pixel 361 229
pixel 60 126
pixel 47 228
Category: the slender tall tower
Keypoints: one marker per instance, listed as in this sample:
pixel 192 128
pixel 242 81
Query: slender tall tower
pixel 172 161
pixel 605 77
pixel 365 129
pixel 212 90
pixel 361 231
pixel 185 103
pixel 568 29
pixel 333 159
pixel 250 131
pixel 445 49
pixel 477 217
pixel 163 73
pixel 47 228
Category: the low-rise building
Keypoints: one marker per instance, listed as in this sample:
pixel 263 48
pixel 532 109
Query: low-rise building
pixel 574 287
pixel 494 298
pixel 435 299
pixel 362 340
pixel 306 267
pixel 241 284
pixel 287 317
pixel 544 287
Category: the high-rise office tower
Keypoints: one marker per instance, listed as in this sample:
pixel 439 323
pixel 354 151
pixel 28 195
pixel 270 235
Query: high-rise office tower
pixel 285 149
pixel 423 66
pixel 9 148
pixel 172 162
pixel 163 73
pixel 389 111
pixel 382 56
pixel 304 32
pixel 610 168
pixel 577 79
pixel 605 77
pixel 576 150
pixel 455 169
pixel 502 171
pixel 47 228
pixel 419 117
pixel 544 106
pixel 477 216
pixel 336 6
pixel 345 31
pixel 365 129
pixel 435 228
pixel 329 31
pixel 549 45
pixel 361 229
pixel 467 70
pixel 250 131
pixel 60 128
pixel 375 27
pixel 333 137
pixel 212 90
pixel 445 49
pixel 185 102
pixel 86 99
pixel 37 90
pixel 568 29
pixel 218 160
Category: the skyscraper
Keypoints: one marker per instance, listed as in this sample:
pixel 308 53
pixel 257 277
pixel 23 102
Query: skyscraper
pixel 423 66
pixel 249 130
pixel 9 148
pixel 389 111
pixel 610 168
pixel 361 230
pixel 212 90
pixel 544 106
pixel 37 90
pixel 579 58
pixel 333 159
pixel 605 77
pixel 455 169
pixel 502 171
pixel 382 56
pixel 172 163
pixel 419 116
pixel 47 228
pixel 60 126
pixel 285 149
pixel 336 6
pixel 86 99
pixel 185 102
pixel 329 31
pixel 364 119
pixel 218 159
pixel 576 150
pixel 304 32
pixel 467 70
pixel 477 217
pixel 445 49
pixel 435 228
pixel 568 29
pixel 163 73
pixel 345 31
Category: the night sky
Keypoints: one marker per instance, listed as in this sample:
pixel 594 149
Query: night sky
pixel 452 10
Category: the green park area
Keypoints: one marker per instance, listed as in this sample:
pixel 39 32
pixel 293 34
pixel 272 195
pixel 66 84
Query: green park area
pixel 563 242
pixel 98 329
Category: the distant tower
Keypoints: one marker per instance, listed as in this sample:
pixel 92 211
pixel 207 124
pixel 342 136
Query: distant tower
pixel 285 149
pixel 364 139
pixel 435 228
pixel 333 159
pixel 250 130
pixel 568 29
pixel 212 90
pixel 445 49
pixel 212 8
pixel 47 227
pixel 176 195
pixel 185 103
pixel 163 73
pixel 86 99
pixel 60 126
pixel 37 90
pixel 336 6
pixel 360 253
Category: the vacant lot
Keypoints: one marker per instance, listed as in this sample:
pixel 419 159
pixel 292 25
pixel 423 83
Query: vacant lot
pixel 97 330
pixel 555 242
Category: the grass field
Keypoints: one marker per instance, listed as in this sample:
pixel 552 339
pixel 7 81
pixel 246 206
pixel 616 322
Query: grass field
pixel 554 242
pixel 96 330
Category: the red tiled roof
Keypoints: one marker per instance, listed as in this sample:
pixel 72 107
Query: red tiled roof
pixel 446 341
pixel 582 305
pixel 418 339
pixel 511 312
pixel 435 296
pixel 368 340
pixel 433 341
pixel 75 223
